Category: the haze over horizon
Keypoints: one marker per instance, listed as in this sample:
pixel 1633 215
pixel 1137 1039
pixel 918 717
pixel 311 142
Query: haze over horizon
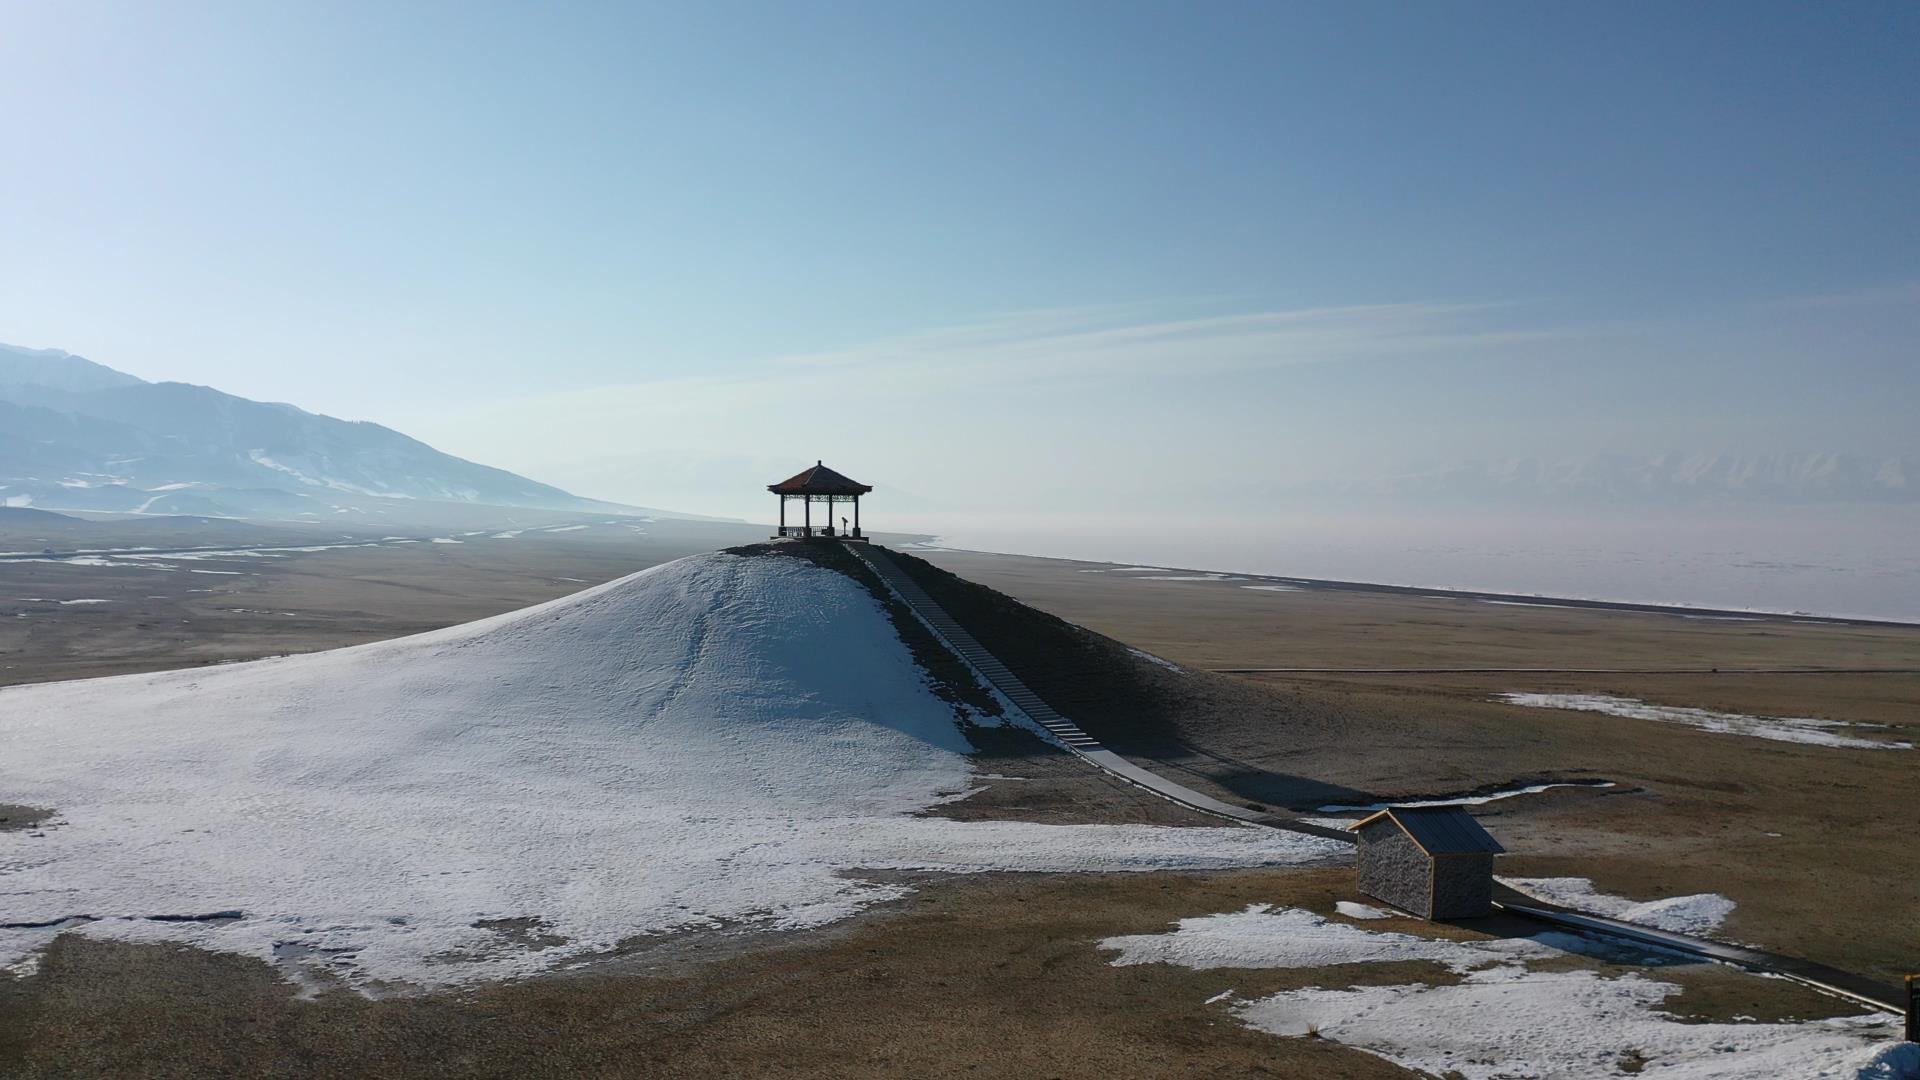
pixel 1113 261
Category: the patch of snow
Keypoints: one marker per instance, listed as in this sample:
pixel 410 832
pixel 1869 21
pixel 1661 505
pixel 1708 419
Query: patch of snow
pixel 1272 588
pixel 1783 729
pixel 97 561
pixel 1152 659
pixel 1701 913
pixel 1463 800
pixel 1263 936
pixel 23 968
pixel 51 600
pixel 1361 911
pixel 564 528
pixel 1502 1019
pixel 259 457
pixel 447 540
pixel 508 535
pixel 1507 1021
pixel 1187 577
pixel 717 740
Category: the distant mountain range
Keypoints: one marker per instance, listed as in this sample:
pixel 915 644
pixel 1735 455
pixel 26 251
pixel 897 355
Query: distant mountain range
pixel 1663 477
pixel 76 435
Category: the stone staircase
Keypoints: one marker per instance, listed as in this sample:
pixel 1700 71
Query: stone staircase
pixel 969 649
pixel 997 675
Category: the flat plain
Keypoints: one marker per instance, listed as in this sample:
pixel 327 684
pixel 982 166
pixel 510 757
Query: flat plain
pixel 1810 841
pixel 1003 973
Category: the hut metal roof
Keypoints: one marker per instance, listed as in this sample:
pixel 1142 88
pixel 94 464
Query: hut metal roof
pixel 819 480
pixel 1439 830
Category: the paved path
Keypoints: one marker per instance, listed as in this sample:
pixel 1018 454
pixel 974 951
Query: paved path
pixel 996 674
pixel 1855 988
pixel 1000 678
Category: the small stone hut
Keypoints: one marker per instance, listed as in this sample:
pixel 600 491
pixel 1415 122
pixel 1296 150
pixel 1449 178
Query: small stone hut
pixel 1433 861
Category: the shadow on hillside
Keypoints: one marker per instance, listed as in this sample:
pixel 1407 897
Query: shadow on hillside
pixel 1204 726
pixel 1254 784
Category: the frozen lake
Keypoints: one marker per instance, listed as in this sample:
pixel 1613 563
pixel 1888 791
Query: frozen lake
pixel 1860 561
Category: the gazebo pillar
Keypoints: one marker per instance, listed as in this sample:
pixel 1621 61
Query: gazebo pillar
pixel 808 501
pixel 783 515
pixel 856 515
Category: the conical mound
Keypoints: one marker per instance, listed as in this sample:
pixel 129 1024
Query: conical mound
pixel 713 739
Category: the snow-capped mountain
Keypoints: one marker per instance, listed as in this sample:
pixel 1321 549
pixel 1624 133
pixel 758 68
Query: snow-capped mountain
pixel 78 435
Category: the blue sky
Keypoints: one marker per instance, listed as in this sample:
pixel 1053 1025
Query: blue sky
pixel 588 241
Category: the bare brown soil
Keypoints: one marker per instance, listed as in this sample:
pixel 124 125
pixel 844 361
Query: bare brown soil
pixel 21 817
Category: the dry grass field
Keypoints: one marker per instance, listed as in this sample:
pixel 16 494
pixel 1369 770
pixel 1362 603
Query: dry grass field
pixel 1813 842
pixel 212 609
pixel 996 975
pixel 1001 974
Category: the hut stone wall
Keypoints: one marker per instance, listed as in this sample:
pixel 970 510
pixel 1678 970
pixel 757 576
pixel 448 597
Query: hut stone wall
pixel 1462 886
pixel 1394 869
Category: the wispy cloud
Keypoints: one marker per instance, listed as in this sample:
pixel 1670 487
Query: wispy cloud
pixel 1107 342
pixel 1060 347
pixel 1092 371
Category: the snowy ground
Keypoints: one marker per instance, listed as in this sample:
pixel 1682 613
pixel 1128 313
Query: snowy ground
pixel 1778 728
pixel 1464 800
pixel 718 740
pixel 1503 1019
pixel 1699 914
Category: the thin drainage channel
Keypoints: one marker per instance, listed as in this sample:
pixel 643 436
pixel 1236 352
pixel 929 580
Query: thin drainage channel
pixel 212 916
pixel 1472 799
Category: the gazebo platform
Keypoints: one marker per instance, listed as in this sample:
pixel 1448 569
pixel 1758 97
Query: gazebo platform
pixel 819 485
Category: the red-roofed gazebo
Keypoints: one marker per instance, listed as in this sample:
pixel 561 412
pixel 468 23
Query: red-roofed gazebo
pixel 820 484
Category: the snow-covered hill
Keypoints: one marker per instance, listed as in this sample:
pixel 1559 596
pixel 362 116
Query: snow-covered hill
pixel 719 739
pixel 80 436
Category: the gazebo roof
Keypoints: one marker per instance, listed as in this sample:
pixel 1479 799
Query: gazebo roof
pixel 819 480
